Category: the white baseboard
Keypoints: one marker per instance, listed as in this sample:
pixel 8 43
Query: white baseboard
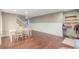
pixel 4 35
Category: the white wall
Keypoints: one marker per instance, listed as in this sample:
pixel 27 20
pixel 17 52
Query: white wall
pixel 51 23
pixel 0 23
pixel 72 13
pixel 9 22
pixel 0 26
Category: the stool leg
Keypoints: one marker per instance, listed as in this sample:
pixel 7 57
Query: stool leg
pixel 17 37
pixel 30 34
pixel 11 38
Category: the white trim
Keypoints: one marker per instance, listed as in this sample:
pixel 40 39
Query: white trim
pixel 5 35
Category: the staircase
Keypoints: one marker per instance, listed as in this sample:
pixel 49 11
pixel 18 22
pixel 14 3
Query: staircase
pixel 20 22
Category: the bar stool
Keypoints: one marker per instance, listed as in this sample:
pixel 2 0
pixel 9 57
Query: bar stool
pixel 18 34
pixel 25 34
pixel 28 32
pixel 12 35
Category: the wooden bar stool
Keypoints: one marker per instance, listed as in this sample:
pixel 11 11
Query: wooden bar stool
pixel 18 35
pixel 28 32
pixel 25 34
pixel 11 35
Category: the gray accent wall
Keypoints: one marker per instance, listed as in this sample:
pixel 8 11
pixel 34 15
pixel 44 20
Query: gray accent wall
pixel 51 24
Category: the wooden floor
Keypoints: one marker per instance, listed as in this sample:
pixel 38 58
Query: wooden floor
pixel 32 43
pixel 39 40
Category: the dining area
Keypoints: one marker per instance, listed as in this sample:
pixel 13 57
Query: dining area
pixel 15 36
pixel 20 33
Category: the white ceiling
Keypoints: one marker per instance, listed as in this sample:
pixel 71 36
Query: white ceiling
pixel 33 12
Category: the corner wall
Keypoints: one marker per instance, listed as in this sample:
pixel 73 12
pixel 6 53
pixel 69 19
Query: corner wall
pixel 0 23
pixel 8 22
pixel 0 26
